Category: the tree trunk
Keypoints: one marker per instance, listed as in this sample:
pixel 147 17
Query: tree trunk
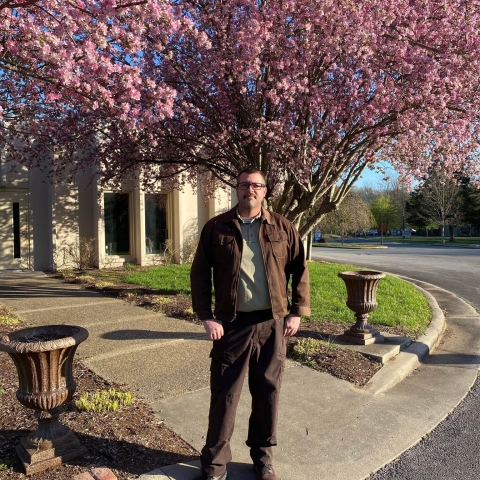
pixel 452 234
pixel 442 233
pixel 308 253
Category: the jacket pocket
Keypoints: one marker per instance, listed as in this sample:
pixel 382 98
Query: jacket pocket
pixel 223 245
pixel 279 243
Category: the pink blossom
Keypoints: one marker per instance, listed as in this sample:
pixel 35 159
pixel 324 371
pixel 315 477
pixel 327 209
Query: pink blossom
pixel 310 92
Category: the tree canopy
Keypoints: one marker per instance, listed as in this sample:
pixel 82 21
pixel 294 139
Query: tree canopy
pixel 72 69
pixel 309 92
pixel 385 211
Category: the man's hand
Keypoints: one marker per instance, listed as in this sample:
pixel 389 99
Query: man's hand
pixel 291 324
pixel 214 329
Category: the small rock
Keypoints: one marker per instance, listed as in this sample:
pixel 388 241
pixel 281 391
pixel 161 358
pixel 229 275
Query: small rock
pixel 82 476
pixel 103 473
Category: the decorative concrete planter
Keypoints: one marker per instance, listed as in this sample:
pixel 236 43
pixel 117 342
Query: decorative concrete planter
pixel 43 357
pixel 361 299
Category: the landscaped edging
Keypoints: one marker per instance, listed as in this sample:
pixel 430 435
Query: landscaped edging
pixel 411 358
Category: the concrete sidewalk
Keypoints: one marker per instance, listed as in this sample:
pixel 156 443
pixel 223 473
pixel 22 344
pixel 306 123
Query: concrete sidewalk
pixel 328 428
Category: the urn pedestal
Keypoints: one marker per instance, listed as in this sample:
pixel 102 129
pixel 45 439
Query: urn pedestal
pixel 361 299
pixel 43 357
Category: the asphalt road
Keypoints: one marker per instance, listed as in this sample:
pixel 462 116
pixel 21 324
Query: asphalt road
pixel 450 452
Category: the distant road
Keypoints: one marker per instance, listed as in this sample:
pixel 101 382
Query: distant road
pixel 456 269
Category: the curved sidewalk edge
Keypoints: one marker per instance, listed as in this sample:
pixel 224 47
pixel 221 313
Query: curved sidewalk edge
pixel 409 359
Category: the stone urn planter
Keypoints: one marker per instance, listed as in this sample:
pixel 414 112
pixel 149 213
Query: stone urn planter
pixel 43 357
pixel 361 299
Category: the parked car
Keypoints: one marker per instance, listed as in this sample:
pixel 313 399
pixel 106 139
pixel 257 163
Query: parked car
pixel 372 231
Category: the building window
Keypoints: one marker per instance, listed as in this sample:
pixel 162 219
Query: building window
pixel 117 223
pixel 16 230
pixel 156 232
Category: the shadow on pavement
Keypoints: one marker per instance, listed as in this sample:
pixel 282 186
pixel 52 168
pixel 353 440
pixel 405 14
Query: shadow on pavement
pixel 32 290
pixel 453 359
pixel 151 335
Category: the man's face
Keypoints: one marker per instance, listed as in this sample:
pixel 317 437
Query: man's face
pixel 250 200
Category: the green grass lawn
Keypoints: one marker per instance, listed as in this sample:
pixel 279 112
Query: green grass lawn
pixel 414 239
pixel 437 240
pixel 399 303
pixel 169 279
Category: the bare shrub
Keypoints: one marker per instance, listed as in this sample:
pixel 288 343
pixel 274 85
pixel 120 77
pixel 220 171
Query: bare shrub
pixel 170 254
pixel 189 248
pixel 190 241
pixel 108 261
pixel 79 254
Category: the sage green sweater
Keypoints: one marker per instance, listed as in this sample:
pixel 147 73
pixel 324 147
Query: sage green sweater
pixel 252 286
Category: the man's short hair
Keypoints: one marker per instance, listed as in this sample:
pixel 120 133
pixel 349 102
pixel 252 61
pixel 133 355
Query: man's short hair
pixel 251 170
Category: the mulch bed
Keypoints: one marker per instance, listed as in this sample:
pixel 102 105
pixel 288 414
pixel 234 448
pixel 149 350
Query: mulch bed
pixel 130 441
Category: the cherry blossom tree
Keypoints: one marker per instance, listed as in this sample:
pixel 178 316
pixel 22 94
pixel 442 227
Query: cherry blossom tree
pixel 310 92
pixel 71 70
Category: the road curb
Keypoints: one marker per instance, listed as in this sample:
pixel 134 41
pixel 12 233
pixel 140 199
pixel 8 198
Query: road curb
pixel 409 359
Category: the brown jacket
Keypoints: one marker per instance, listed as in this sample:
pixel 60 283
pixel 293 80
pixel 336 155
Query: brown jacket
pixel 220 249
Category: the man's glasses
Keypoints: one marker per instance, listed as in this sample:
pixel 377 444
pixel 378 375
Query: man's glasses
pixel 247 185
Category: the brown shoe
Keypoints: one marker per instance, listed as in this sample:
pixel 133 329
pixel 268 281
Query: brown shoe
pixel 264 472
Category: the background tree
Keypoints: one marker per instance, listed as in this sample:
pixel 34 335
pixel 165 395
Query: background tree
pixel 385 212
pixel 369 192
pixel 471 205
pixel 438 200
pixel 399 193
pixel 352 216
pixel 395 193
pixel 309 93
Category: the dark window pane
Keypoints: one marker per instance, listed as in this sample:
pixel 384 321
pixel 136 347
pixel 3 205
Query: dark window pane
pixel 155 222
pixel 117 224
pixel 16 230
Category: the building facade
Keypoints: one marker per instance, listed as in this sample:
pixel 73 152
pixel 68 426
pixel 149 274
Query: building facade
pixel 48 226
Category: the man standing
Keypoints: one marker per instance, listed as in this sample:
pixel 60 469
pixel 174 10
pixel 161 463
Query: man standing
pixel 253 254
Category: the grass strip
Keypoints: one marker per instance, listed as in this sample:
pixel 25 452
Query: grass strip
pixel 400 304
pixel 168 279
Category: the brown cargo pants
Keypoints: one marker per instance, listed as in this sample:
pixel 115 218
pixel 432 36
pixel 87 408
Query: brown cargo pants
pixel 252 340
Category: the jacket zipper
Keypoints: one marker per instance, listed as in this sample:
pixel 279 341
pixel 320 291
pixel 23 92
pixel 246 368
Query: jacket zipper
pixel 237 276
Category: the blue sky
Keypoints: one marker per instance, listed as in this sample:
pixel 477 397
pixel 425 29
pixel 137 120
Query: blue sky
pixel 374 179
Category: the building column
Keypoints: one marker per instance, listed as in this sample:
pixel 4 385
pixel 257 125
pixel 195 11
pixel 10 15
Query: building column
pixel 42 216
pixel 100 223
pixel 139 226
pixel 211 208
pixel 177 222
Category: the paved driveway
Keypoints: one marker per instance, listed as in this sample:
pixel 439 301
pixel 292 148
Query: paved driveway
pixel 450 452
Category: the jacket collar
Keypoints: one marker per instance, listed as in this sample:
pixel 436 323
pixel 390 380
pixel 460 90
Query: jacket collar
pixel 231 215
